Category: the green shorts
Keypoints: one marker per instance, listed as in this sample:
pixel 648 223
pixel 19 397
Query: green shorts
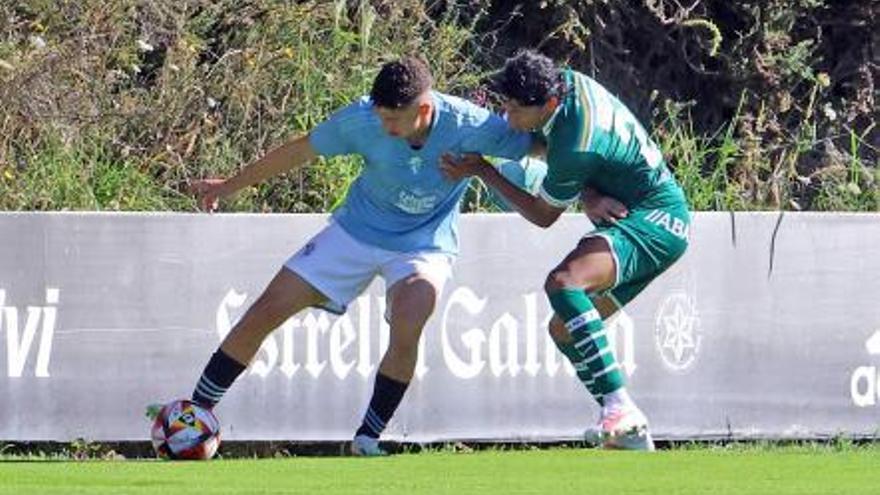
pixel 644 244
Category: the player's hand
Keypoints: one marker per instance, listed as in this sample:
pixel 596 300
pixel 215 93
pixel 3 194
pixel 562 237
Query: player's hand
pixel 602 209
pixel 462 167
pixel 208 193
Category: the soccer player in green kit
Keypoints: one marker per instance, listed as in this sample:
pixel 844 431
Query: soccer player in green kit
pixel 599 153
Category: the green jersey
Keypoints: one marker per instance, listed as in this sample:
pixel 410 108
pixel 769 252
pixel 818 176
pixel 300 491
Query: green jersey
pixel 594 140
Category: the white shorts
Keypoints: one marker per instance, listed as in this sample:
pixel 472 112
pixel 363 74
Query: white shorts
pixel 340 267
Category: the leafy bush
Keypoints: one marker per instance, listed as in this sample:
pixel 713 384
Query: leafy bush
pixel 759 104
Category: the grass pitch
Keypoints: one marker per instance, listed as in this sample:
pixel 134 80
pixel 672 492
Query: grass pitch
pixel 780 471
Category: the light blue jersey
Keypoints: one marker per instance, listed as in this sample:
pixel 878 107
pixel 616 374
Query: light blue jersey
pixel 401 201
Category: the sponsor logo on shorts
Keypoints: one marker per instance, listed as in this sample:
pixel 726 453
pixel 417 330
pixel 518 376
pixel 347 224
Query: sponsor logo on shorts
pixel 677 332
pixel 676 226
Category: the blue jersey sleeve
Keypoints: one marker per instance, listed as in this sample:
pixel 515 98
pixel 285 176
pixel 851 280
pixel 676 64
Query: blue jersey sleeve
pixel 494 137
pixel 333 136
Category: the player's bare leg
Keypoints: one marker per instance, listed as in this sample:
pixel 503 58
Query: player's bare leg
pixel 412 301
pixel 286 295
pixel 591 268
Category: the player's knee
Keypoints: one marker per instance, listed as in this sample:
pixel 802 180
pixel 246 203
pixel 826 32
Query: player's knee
pixel 558 280
pixel 415 292
pixel 409 312
pixel 409 323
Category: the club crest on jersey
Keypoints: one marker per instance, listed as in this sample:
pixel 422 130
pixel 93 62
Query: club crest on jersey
pixel 674 225
pixel 416 163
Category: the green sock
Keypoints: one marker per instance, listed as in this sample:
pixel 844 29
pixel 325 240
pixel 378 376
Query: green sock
pixel 583 372
pixel 587 331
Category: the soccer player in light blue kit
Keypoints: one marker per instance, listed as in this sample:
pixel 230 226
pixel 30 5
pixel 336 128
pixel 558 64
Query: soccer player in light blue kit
pixel 398 221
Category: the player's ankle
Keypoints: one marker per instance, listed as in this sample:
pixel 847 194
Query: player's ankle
pixel 618 399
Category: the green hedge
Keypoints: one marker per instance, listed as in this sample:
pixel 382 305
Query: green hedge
pixel 117 105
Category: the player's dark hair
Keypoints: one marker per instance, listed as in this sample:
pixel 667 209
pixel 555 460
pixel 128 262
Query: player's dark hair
pixel 400 82
pixel 529 78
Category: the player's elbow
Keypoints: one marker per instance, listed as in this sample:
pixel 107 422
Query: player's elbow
pixel 544 221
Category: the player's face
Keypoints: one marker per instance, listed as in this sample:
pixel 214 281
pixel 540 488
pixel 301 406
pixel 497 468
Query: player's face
pixel 528 117
pixel 406 122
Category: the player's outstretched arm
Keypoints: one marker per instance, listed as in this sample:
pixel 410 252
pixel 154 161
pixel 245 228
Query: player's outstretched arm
pixel 532 208
pixel 288 156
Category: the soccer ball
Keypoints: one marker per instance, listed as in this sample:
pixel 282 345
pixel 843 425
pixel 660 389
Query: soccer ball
pixel 185 430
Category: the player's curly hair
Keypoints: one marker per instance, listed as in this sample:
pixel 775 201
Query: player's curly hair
pixel 400 82
pixel 529 78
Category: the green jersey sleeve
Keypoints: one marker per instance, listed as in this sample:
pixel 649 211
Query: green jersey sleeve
pixel 562 184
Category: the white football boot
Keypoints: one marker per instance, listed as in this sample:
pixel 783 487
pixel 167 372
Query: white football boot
pixel 625 428
pixel 594 436
pixel 364 446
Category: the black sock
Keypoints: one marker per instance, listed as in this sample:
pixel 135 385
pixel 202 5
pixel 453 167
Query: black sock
pixel 219 374
pixel 387 394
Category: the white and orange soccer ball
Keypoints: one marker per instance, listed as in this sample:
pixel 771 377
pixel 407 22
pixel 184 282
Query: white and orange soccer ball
pixel 185 430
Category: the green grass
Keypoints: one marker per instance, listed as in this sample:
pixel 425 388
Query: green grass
pixel 716 471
